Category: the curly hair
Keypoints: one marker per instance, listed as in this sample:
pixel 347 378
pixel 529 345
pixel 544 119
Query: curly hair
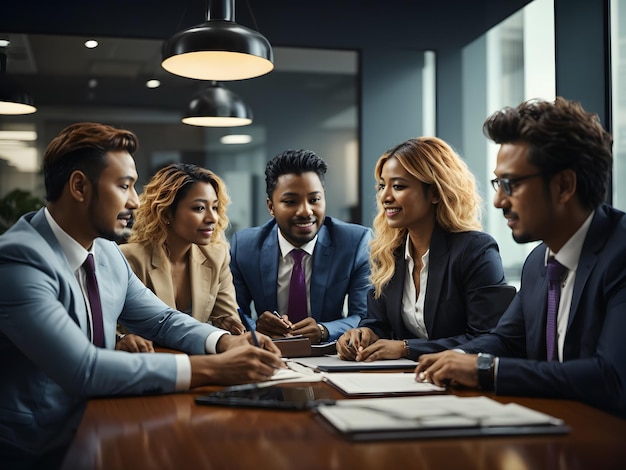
pixel 433 162
pixel 82 146
pixel 161 196
pixel 561 135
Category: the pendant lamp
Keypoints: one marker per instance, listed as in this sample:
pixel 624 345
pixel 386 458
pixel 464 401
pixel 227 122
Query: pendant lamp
pixel 217 106
pixel 13 99
pixel 218 49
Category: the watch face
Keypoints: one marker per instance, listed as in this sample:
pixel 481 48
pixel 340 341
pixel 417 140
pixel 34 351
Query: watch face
pixel 485 361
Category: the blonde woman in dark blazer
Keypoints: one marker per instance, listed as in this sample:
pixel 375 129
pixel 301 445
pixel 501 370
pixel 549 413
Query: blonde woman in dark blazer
pixel 437 278
pixel 179 250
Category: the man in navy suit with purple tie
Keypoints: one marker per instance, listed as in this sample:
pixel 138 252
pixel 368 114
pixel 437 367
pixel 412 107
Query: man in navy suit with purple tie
pixel 552 175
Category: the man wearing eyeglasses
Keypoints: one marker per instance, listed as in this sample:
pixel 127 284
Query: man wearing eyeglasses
pixel 563 334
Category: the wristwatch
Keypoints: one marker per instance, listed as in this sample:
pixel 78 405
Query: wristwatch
pixel 324 332
pixel 485 367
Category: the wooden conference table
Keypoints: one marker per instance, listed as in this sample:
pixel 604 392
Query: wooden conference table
pixel 172 432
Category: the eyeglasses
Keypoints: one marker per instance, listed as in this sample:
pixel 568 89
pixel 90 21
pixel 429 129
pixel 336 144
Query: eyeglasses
pixel 507 183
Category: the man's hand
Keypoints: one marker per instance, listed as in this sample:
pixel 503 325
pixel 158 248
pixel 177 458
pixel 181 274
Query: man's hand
pixel 239 364
pixel 382 349
pixel 353 342
pixel 307 327
pixel 270 324
pixel 134 343
pixel 448 368
pixel 228 342
pixel 229 324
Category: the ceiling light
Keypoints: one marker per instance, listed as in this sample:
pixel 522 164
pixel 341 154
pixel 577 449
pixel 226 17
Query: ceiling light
pixel 236 139
pixel 13 99
pixel 4 42
pixel 91 44
pixel 218 49
pixel 217 106
pixel 154 83
pixel 26 136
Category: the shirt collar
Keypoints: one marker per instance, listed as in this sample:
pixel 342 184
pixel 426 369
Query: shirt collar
pixel 569 254
pixel 74 252
pixel 286 247
pixel 407 253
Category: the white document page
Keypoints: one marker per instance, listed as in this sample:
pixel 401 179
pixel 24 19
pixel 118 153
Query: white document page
pixel 377 383
pixel 333 363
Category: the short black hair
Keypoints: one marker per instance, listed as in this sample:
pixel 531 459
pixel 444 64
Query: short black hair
pixel 293 161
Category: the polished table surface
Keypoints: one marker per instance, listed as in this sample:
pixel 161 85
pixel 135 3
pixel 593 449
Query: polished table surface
pixel 171 431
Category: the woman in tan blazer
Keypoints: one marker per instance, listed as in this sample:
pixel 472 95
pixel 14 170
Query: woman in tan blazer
pixel 178 247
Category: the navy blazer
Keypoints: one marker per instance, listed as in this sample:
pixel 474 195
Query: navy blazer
pixel 465 295
pixel 340 267
pixel 49 367
pixel 594 353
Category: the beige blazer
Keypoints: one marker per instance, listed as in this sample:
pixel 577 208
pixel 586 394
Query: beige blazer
pixel 212 289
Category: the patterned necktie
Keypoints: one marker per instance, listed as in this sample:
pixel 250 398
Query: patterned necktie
pixel 555 272
pixel 297 288
pixel 93 295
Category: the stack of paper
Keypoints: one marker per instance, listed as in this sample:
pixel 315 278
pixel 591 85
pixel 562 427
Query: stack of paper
pixel 435 416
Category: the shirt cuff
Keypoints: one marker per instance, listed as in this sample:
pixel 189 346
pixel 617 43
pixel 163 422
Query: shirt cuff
pixel 210 345
pixel 183 372
pixel 496 364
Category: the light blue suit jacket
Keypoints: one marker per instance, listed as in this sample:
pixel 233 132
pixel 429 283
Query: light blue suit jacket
pixel 49 367
pixel 340 268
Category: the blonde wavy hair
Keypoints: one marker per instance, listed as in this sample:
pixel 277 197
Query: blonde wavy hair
pixel 435 163
pixel 161 196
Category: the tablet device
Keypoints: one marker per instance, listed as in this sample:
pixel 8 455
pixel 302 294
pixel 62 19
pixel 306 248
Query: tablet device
pixel 276 396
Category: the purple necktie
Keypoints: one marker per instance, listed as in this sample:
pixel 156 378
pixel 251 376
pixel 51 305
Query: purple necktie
pixel 297 288
pixel 93 295
pixel 555 272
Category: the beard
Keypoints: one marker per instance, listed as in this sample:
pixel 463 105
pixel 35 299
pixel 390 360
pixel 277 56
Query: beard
pixel 118 235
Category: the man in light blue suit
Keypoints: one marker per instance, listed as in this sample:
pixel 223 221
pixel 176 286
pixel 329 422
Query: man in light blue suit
pixel 56 349
pixel 552 175
pixel 336 258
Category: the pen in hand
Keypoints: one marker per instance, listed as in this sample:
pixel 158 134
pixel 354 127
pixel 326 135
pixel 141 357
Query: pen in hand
pixel 280 317
pixel 246 323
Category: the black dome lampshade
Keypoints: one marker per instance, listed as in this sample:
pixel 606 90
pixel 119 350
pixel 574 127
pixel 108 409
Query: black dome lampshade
pixel 13 99
pixel 217 106
pixel 218 49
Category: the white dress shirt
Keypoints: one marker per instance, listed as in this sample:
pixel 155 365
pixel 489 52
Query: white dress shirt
pixel 285 265
pixel 412 308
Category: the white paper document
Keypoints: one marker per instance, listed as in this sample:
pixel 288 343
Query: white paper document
pixel 379 383
pixel 334 364
pixel 435 416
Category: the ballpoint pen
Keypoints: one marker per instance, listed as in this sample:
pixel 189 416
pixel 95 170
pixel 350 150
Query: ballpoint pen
pixel 280 317
pixel 246 323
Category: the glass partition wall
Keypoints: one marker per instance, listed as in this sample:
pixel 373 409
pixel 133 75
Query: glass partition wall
pixel 309 101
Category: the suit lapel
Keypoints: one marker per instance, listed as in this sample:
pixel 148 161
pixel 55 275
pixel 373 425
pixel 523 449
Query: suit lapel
pixel 201 274
pixel 594 241
pixel 79 313
pixel 437 265
pixel 270 251
pixel 320 271
pixel 161 278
